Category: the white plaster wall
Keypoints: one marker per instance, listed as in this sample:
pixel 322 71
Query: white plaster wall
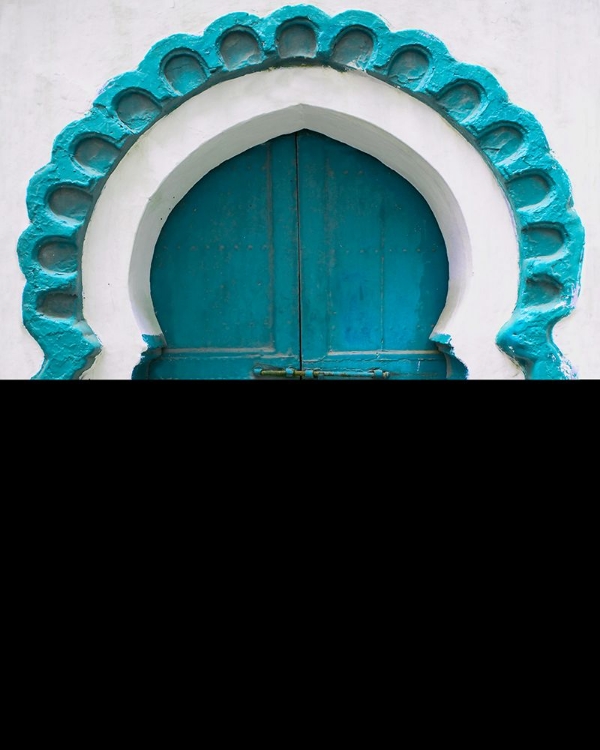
pixel 55 56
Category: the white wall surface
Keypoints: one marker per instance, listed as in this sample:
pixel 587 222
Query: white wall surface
pixel 56 55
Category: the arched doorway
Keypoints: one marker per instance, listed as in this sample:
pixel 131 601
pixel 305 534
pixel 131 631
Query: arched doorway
pixel 300 258
pixel 97 208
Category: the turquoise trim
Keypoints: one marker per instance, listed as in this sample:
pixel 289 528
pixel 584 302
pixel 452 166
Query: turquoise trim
pixel 61 196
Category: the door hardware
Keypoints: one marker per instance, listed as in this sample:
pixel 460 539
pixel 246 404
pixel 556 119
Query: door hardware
pixel 290 372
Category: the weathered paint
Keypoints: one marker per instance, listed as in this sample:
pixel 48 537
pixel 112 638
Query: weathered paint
pixel 62 195
pixel 300 254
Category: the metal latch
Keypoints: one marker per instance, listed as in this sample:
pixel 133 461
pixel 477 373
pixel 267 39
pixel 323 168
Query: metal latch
pixel 290 372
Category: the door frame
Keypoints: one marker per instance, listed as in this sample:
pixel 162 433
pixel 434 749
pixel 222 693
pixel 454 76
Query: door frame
pixel 65 301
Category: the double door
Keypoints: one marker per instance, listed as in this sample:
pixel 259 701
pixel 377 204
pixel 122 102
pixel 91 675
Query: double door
pixel 300 258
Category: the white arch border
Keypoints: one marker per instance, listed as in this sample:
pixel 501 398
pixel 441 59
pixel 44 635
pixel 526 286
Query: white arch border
pixel 405 134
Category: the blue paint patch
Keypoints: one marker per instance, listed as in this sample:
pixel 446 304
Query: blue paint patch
pixel 62 195
pixel 455 369
pixel 154 346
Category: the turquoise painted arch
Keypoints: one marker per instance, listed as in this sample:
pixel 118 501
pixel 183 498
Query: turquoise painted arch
pixel 61 196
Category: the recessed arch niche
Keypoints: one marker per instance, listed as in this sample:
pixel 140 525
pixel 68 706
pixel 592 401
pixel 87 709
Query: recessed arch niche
pixel 128 116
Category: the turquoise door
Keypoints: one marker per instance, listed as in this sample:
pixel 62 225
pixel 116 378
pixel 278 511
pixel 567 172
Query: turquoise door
pixel 301 257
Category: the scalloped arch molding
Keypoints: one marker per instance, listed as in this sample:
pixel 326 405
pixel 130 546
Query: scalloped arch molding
pixel 61 197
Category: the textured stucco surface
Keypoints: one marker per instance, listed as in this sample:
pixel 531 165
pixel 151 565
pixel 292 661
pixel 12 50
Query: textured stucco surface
pixel 55 61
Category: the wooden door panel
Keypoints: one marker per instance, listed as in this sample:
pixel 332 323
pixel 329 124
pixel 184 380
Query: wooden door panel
pixel 374 268
pixel 224 276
